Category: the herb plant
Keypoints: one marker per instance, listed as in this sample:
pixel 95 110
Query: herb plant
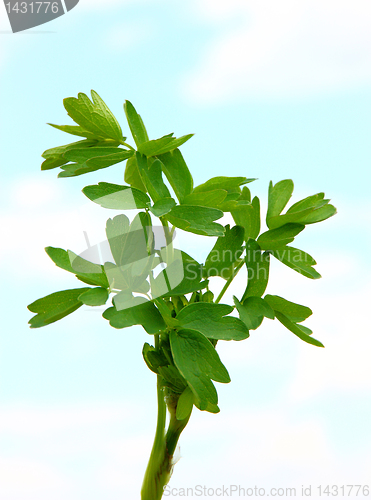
pixel 162 288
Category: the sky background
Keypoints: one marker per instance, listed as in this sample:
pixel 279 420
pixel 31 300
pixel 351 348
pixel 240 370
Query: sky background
pixel 272 90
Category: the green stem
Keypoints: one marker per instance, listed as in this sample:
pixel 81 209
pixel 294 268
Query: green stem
pixel 155 475
pixel 168 233
pixel 173 433
pixel 127 145
pixel 160 463
pixel 169 240
pixel 229 281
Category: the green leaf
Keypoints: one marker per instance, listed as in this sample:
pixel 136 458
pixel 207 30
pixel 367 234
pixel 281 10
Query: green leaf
pixel 60 150
pixel 289 314
pixel 207 296
pixel 314 201
pixel 294 312
pixel 248 216
pixel 75 169
pixel 54 157
pixel 163 145
pixel 221 182
pixel 245 195
pixel 136 125
pixel 258 307
pixel 82 266
pixel 278 196
pixel 55 306
pixel 123 278
pixel 275 239
pixel 146 351
pixel 74 130
pixel 166 310
pixel 153 358
pixel 130 242
pixel 198 362
pixel 185 404
pixel 53 162
pixel 211 199
pixel 172 378
pixel 93 116
pixel 117 197
pixel 296 256
pixel 162 206
pixel 132 248
pixel 195 219
pixel 132 175
pixel 89 160
pixel 142 312
pixel 297 330
pixel 255 218
pixel 182 275
pixel 151 175
pixel 82 155
pixel 177 173
pixel 208 319
pixel 225 253
pixel 281 220
pixel 88 272
pixel 233 200
pixel 257 264
pixel 252 311
pixel 298 260
pixel 304 329
pixel 117 230
pixel 210 407
pixel 299 212
pixel 94 297
pixel 61 258
pixel 318 215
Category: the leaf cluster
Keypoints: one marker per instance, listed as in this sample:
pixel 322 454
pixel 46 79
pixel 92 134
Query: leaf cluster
pixel 161 288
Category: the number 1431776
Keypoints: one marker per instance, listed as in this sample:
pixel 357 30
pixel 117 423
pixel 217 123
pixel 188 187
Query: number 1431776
pixel 344 491
pixel 33 7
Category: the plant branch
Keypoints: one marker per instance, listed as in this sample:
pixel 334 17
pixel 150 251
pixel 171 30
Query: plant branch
pixel 154 478
pixel 229 281
pixel 160 463
pixel 127 145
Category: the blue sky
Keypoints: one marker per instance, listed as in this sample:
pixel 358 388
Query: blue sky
pixel 273 91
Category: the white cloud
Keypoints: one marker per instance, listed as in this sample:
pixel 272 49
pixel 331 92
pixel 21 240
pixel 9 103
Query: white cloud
pixel 29 479
pixel 345 363
pixel 31 222
pixel 340 320
pixel 43 447
pixel 34 192
pixel 265 448
pixel 287 48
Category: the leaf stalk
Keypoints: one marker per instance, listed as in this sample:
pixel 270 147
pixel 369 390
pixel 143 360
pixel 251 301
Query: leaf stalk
pixel 229 281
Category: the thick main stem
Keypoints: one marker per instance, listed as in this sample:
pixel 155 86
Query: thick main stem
pixel 160 463
pixel 158 469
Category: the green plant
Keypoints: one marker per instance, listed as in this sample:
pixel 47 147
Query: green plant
pixel 162 288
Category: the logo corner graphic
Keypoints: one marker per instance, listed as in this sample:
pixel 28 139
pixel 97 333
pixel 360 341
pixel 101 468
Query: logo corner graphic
pixel 29 14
